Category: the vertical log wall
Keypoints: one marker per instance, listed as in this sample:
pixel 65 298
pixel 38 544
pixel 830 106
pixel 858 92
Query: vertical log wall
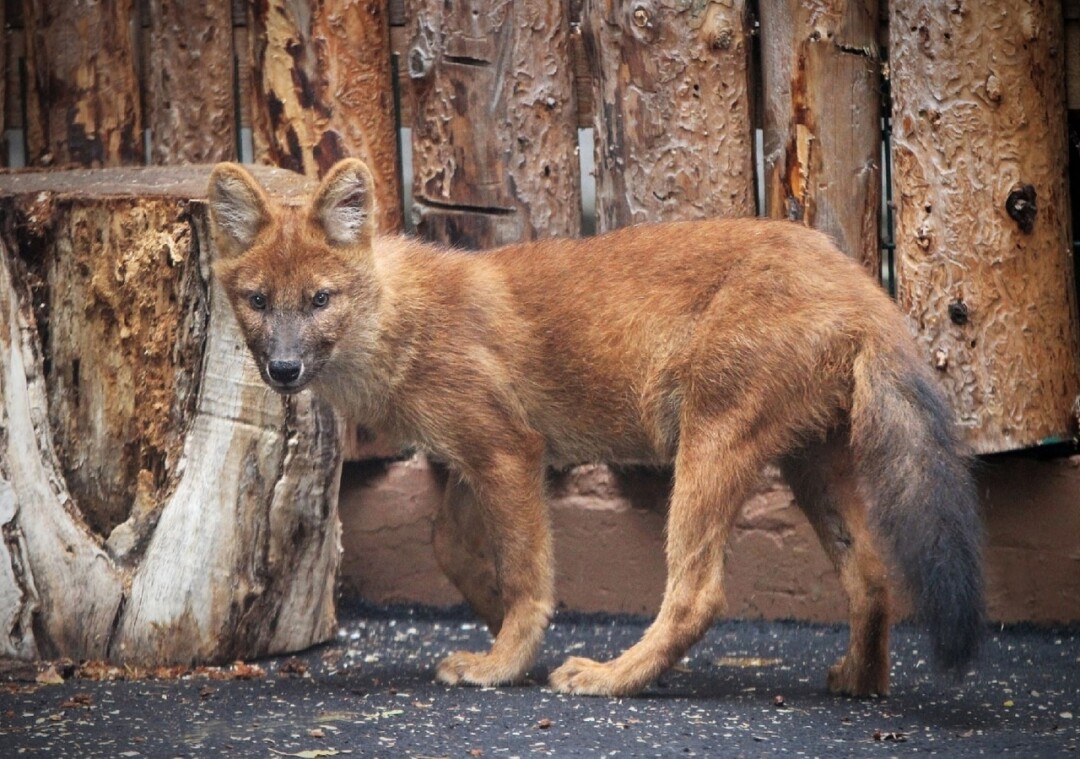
pixel 822 95
pixel 323 91
pixel 82 98
pixel 672 110
pixel 494 138
pixel 983 250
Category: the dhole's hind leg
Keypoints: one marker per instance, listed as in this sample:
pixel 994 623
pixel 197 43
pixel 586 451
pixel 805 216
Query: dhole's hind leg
pixel 823 480
pixel 464 552
pixel 713 475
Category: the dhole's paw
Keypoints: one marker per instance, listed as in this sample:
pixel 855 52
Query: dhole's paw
pixel 585 677
pixel 467 668
pixel 847 679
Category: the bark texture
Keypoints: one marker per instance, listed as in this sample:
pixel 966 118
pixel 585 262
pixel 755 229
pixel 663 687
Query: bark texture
pixel 672 110
pixel 983 259
pixel 82 97
pixel 494 139
pixel 158 503
pixel 821 75
pixel 322 91
pixel 191 100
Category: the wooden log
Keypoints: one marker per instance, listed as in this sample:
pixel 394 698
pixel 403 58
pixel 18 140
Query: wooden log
pixel 983 259
pixel 672 110
pixel 322 91
pixel 82 96
pixel 494 137
pixel 191 90
pixel 821 77
pixel 158 502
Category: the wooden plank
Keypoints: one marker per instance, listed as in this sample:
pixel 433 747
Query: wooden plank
pixel 191 100
pixel 821 83
pixel 323 91
pixel 672 110
pixel 83 104
pixel 494 139
pixel 983 253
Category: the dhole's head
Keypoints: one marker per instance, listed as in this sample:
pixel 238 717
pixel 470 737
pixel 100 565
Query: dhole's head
pixel 298 277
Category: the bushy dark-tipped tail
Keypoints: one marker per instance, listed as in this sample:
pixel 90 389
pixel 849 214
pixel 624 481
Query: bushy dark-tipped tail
pixel 924 504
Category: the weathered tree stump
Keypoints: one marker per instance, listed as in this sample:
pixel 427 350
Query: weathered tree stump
pixel 822 96
pixel 983 260
pixel 158 503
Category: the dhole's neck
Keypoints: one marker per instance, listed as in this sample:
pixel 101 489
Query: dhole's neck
pixel 374 358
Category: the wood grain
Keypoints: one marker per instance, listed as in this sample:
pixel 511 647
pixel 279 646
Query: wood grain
pixel 822 105
pixel 83 104
pixel 983 260
pixel 671 109
pixel 494 139
pixel 191 100
pixel 322 91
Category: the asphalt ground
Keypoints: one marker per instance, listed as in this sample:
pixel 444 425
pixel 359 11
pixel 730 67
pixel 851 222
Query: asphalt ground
pixel 749 689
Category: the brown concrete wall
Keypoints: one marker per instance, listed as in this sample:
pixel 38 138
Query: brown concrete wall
pixel 609 543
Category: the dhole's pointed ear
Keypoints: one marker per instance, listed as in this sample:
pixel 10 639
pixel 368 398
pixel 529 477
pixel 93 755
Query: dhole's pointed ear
pixel 239 208
pixel 343 205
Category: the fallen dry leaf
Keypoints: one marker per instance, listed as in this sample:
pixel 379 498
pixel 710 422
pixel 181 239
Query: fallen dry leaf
pixel 896 736
pixel 49 677
pixel 243 671
pixel 103 671
pixel 293 666
pixel 78 700
pixel 173 672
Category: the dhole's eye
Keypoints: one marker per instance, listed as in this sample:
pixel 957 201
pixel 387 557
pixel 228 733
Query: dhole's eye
pixel 257 301
pixel 321 299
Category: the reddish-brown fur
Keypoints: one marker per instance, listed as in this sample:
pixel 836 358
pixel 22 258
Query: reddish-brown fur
pixel 717 346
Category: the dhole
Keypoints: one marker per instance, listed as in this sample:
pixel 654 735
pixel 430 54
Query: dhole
pixel 716 346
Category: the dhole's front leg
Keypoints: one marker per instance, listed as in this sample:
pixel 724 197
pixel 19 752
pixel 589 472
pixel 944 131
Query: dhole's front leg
pixel 509 489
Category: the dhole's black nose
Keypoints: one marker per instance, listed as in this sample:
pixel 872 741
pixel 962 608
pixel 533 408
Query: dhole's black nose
pixel 284 371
